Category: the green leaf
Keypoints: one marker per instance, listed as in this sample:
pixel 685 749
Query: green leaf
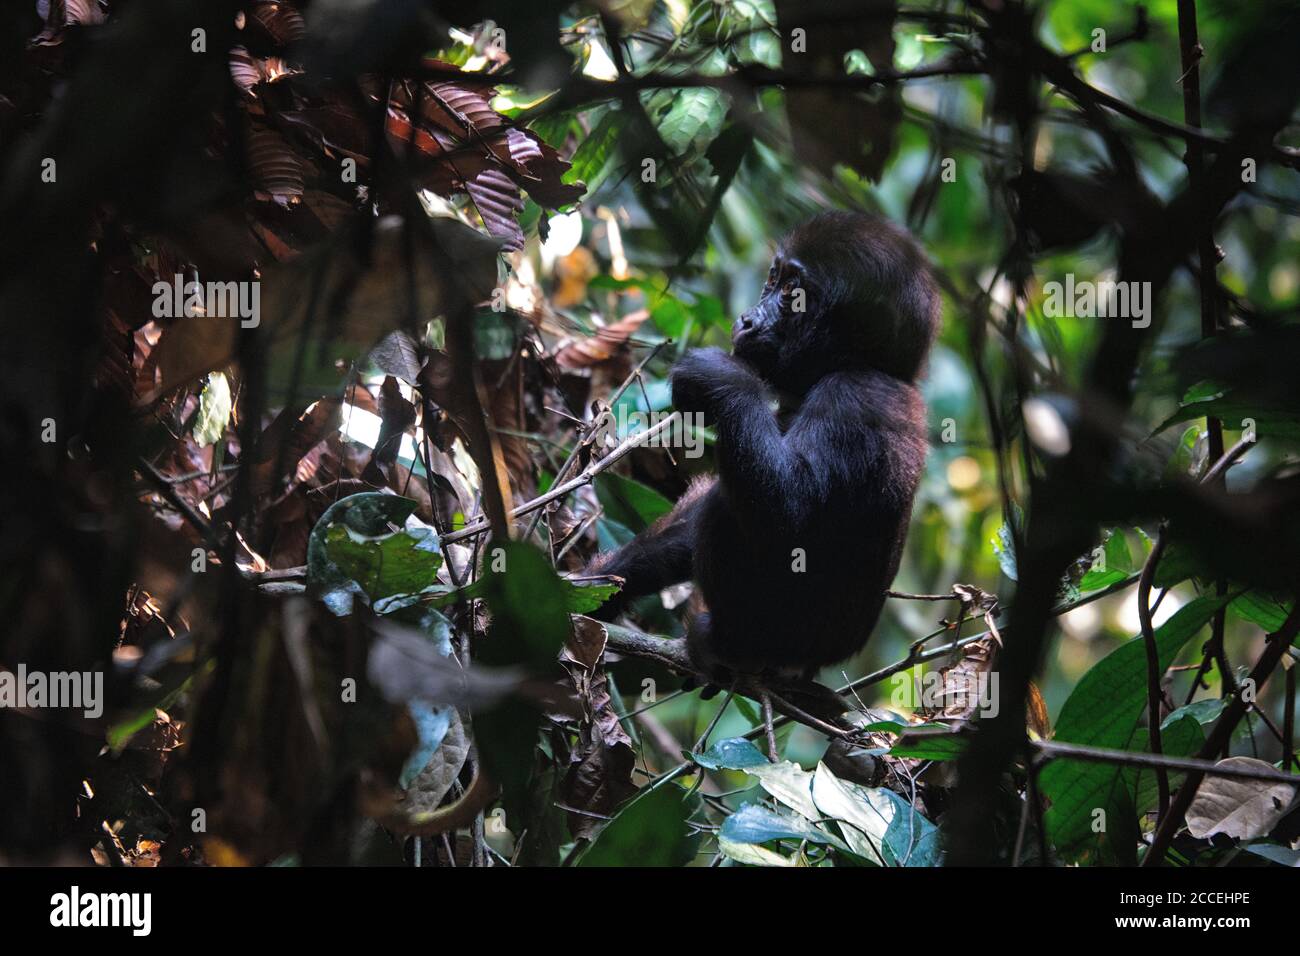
pixel 530 616
pixel 214 410
pixel 708 310
pixel 1261 608
pixel 1114 564
pixel 1180 736
pixel 650 830
pixel 368 545
pixel 1095 580
pixel 692 121
pixel 1103 711
pixel 670 316
pixel 1271 422
pixel 1177 564
pixel 1204 712
pixel 1004 546
pixel 1179 465
pixel 928 747
pixel 386 566
pixel 629 502
pixel 948 747
pixel 735 753
pixel 876 823
pixel 554 129
pixel 754 823
pixel 582 598
pixel 530 623
pixel 595 153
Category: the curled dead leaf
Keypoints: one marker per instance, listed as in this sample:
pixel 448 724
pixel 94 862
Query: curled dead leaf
pixel 586 352
pixel 1244 809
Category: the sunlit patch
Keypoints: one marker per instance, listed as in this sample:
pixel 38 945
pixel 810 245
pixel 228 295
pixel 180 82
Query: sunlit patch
pixel 963 473
pixel 363 427
pixel 564 236
pixel 1045 427
pixel 1128 621
pixel 1082 623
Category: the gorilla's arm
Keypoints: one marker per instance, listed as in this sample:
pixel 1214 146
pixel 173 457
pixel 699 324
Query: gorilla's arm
pixel 772 479
pixel 661 556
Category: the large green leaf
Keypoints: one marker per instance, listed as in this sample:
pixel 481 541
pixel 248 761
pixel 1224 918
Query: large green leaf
pixel 1103 711
pixel 1114 566
pixel 876 822
pixel 1270 421
pixel 735 753
pixel 650 830
pixel 595 154
pixel 629 502
pixel 929 746
pixel 530 623
pixel 1261 608
pixel 1180 736
pixel 692 121
pixel 754 823
pixel 369 546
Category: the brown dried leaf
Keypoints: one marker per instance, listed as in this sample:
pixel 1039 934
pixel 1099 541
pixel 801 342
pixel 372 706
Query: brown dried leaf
pixel 288 438
pixel 333 128
pixel 275 167
pixel 431 786
pixel 599 777
pixel 1036 713
pixel 247 70
pixel 498 202
pixel 281 22
pixel 584 353
pixel 505 380
pixel 963 681
pixel 1243 809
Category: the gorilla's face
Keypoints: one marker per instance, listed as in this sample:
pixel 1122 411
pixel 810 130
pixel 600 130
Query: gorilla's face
pixel 844 291
pixel 779 334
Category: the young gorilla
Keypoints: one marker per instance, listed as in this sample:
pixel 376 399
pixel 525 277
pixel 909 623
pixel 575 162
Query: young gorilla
pixel 795 542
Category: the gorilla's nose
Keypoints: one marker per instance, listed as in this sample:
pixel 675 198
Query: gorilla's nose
pixel 745 322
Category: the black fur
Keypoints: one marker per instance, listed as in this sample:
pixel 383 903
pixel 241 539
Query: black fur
pixel 832 472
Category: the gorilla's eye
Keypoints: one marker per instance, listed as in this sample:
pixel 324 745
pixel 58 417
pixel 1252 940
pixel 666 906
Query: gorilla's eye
pixel 771 276
pixel 789 286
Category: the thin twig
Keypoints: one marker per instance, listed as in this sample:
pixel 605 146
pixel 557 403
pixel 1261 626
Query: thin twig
pixel 1288 716
pixel 569 462
pixel 772 752
pixel 479 525
pixel 704 737
pixel 1154 673
pixel 1129 758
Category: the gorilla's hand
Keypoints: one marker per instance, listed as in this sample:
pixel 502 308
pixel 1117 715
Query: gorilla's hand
pixel 703 377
